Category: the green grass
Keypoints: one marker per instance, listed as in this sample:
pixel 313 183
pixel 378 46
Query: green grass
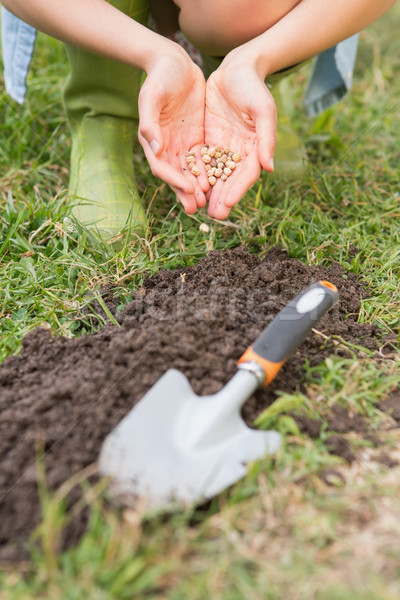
pixel 281 532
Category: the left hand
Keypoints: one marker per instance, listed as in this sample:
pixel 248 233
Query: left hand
pixel 240 114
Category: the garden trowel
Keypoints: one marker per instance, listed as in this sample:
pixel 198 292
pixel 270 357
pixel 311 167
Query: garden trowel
pixel 176 448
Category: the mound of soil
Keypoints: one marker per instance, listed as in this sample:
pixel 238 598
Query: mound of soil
pixel 65 395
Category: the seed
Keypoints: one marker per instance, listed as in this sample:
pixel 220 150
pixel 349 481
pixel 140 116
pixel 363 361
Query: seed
pixel 219 162
pixel 191 153
pixel 204 228
pixel 190 159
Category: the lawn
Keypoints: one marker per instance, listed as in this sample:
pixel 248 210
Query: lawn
pixel 306 524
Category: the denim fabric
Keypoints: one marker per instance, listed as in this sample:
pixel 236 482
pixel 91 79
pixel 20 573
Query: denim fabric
pixel 331 77
pixel 330 80
pixel 17 41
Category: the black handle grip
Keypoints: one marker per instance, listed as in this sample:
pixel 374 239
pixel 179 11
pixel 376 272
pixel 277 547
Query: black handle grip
pixel 290 327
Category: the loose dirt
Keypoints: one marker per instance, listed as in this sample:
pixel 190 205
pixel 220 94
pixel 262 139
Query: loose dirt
pixel 63 396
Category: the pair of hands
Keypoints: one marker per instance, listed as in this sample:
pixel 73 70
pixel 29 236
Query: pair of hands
pixel 179 112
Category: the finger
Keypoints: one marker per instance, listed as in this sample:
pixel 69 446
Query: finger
pixel 221 212
pixel 198 194
pixel 187 200
pixel 151 134
pixel 150 106
pixel 214 197
pixel 200 181
pixel 234 188
pixel 240 181
pixel 200 198
pixel 203 181
pixel 216 208
pixel 171 174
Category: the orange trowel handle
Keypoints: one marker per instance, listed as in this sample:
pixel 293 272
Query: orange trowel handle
pixel 290 327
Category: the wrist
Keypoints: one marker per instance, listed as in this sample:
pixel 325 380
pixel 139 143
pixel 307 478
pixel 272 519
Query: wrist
pixel 251 56
pixel 159 48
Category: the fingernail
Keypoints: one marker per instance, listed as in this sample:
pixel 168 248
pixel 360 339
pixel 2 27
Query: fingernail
pixel 155 146
pixel 271 164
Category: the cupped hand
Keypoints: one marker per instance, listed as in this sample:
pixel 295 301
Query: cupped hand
pixel 240 114
pixel 171 122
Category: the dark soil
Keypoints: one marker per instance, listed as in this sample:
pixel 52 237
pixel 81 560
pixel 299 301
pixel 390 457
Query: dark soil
pixel 65 395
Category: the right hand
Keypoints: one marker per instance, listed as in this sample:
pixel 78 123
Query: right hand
pixel 171 122
pixel 241 114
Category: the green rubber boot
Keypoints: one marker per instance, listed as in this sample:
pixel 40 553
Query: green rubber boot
pixel 290 157
pixel 101 103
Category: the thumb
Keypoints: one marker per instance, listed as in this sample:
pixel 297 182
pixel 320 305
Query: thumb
pixel 149 120
pixel 265 121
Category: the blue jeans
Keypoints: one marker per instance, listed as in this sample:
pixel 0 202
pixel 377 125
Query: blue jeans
pixel 330 80
pixel 17 43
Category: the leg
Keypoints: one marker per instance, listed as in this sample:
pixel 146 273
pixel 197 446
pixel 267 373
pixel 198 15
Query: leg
pixel 100 99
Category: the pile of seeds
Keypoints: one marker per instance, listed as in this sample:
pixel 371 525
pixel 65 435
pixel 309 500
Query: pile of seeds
pixel 219 162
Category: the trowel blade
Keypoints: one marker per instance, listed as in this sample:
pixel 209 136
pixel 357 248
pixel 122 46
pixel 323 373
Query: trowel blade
pixel 165 451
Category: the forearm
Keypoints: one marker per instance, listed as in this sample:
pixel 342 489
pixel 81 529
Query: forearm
pixel 309 28
pixel 96 26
